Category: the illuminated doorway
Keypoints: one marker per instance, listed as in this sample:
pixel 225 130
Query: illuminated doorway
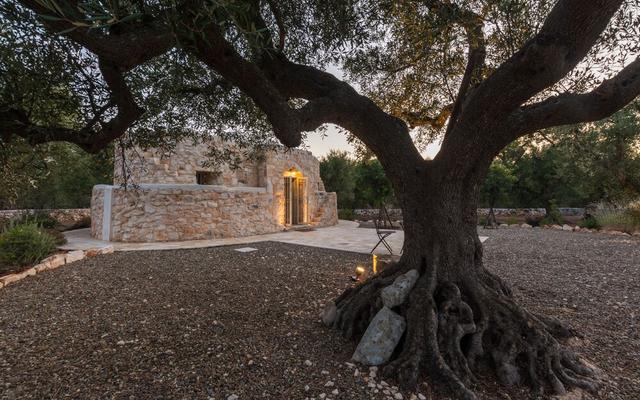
pixel 295 198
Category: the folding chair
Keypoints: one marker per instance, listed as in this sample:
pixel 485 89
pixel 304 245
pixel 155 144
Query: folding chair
pixel 382 234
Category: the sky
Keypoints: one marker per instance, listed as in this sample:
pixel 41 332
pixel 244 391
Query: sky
pixel 320 144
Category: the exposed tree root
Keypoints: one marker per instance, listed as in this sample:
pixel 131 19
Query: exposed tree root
pixel 457 331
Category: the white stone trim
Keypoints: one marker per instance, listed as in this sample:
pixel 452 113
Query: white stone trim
pixel 188 186
pixel 107 197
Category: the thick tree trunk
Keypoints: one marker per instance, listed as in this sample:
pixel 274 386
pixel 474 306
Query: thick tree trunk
pixel 461 319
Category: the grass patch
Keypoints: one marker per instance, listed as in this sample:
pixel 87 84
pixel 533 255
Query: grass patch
pixel 620 219
pixel 23 245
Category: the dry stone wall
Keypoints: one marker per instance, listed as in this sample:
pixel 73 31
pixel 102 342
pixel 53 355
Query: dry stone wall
pixel 97 210
pixel 184 212
pixel 67 217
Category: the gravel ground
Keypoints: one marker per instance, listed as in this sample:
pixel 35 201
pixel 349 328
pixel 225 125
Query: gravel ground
pixel 213 323
pixel 590 280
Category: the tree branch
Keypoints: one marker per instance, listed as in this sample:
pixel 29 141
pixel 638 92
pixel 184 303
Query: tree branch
pixel 204 38
pixel 282 30
pixel 571 108
pixel 473 26
pixel 126 49
pixel 567 35
pixel 14 121
pixel 337 102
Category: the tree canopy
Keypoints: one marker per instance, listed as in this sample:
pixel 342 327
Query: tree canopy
pixel 147 69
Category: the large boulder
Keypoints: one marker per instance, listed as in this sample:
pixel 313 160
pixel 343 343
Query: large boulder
pixel 396 293
pixel 381 338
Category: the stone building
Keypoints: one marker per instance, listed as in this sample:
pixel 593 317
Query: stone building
pixel 180 197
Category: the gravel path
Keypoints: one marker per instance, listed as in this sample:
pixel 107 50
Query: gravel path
pixel 213 323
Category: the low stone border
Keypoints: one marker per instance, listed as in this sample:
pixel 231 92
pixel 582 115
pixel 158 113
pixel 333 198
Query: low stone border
pixel 570 228
pixel 53 262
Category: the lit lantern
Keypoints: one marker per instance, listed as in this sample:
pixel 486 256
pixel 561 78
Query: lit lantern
pixel 360 273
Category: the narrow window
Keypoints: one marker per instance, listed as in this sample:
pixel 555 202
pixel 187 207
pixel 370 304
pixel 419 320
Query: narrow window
pixel 206 178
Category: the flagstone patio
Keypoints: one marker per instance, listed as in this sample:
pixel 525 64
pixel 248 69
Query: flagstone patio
pixel 344 236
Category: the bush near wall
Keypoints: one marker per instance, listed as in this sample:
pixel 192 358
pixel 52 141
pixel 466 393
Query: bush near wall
pixel 23 245
pixel 346 213
pixel 624 219
pixel 59 219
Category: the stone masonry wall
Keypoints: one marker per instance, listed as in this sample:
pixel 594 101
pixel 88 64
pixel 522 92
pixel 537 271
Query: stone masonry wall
pixel 280 162
pixel 184 212
pixel 180 166
pixel 326 207
pixel 164 202
pixel 97 210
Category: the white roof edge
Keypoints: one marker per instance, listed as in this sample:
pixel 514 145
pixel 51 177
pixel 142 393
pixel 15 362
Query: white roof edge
pixel 187 186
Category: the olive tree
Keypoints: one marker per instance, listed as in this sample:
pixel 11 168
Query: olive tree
pixel 476 74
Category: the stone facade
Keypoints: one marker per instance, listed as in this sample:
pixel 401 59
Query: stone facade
pixel 179 197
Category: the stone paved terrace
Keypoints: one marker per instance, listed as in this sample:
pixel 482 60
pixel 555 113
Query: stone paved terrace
pixel 344 236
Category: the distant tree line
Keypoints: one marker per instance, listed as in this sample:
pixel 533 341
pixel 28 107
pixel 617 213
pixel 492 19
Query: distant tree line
pixel 570 166
pixel 358 183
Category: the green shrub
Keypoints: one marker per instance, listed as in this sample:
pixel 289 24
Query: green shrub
pixel 57 236
pixel 625 220
pixel 346 213
pixel 22 245
pixel 589 223
pixel 553 217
